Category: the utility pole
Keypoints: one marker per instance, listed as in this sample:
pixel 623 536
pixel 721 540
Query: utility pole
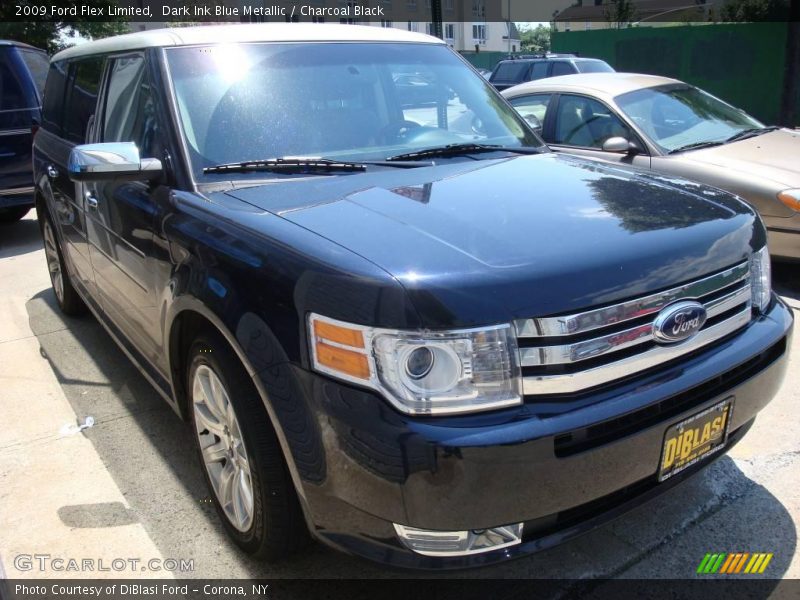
pixel 509 27
pixel 436 19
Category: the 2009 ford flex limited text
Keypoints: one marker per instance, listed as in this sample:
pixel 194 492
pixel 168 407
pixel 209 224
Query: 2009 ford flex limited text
pixel 405 327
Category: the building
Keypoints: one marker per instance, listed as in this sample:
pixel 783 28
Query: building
pixel 586 15
pixel 468 25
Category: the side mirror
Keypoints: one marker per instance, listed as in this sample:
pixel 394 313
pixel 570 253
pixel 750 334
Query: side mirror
pixel 113 160
pixel 620 145
pixel 617 144
pixel 534 122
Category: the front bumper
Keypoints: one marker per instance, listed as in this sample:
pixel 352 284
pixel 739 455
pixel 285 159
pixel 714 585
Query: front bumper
pixel 363 466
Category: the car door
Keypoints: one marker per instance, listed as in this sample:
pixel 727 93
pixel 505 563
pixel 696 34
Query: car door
pixel 121 215
pixel 19 106
pixel 578 124
pixel 69 108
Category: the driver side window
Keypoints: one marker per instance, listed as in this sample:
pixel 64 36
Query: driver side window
pixel 586 123
pixel 130 114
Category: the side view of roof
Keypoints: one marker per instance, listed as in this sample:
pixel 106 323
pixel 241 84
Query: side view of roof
pixel 604 84
pixel 19 44
pixel 258 32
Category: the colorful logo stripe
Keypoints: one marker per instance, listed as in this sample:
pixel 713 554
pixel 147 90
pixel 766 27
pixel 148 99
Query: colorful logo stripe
pixel 734 563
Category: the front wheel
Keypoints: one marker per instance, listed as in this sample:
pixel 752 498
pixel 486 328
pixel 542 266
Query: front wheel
pixel 242 459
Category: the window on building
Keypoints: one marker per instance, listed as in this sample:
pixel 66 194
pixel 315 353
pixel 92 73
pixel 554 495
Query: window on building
pixel 385 23
pixel 479 33
pixel 449 32
pixel 478 9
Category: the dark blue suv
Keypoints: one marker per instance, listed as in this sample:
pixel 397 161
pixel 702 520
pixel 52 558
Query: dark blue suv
pixel 408 329
pixel 23 69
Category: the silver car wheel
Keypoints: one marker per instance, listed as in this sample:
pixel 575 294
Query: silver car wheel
pixel 53 261
pixel 222 446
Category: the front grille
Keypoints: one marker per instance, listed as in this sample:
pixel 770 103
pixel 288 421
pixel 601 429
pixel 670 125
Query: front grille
pixel 571 353
pixel 609 431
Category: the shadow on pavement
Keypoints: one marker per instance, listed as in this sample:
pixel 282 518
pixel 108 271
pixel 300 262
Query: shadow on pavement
pixel 21 237
pixel 149 452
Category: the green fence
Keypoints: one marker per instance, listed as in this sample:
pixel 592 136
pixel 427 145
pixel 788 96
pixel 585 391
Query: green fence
pixel 484 60
pixel 740 63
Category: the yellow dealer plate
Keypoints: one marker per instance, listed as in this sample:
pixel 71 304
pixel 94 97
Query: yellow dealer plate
pixel 695 439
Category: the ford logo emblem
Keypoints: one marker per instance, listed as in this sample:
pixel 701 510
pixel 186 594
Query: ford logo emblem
pixel 678 322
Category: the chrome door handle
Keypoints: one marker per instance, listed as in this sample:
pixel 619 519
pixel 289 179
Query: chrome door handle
pixel 91 201
pixel 52 172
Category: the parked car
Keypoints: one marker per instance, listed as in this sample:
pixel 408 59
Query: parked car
pixel 427 347
pixel 23 69
pixel 511 72
pixel 674 129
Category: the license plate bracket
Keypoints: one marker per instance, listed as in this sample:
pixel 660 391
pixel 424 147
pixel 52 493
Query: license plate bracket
pixel 695 438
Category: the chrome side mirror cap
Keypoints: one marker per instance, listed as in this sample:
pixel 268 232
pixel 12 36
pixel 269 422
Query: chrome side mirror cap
pixel 112 160
pixel 618 144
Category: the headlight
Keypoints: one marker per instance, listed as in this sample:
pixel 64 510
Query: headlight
pixel 790 198
pixel 761 279
pixel 422 372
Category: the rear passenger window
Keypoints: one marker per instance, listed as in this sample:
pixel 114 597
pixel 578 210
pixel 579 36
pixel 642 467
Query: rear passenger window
pixel 53 103
pixel 12 96
pixel 37 63
pixel 82 99
pixel 539 70
pixel 509 71
pixel 562 68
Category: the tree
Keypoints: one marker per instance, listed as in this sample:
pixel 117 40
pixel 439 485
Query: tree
pixel 534 40
pixel 50 34
pixel 755 10
pixel 620 13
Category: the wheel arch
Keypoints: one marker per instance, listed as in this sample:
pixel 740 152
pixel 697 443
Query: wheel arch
pixel 190 316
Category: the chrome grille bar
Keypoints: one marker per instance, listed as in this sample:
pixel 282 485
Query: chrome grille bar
pixel 582 380
pixel 619 340
pixel 625 311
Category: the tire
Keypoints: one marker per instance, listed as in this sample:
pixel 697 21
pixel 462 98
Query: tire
pixel 68 299
pixel 241 449
pixel 14 214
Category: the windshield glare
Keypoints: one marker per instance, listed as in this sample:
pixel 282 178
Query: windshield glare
pixel 348 101
pixel 674 116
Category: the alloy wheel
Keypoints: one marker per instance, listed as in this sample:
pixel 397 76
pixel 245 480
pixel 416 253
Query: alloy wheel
pixel 222 446
pixel 53 261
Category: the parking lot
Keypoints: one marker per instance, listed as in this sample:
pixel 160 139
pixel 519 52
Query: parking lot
pixel 131 487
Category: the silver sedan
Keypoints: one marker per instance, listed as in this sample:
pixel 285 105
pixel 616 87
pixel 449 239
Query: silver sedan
pixel 677 130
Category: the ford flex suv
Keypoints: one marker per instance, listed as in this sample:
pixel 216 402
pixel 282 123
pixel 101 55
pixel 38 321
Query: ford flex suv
pixel 405 329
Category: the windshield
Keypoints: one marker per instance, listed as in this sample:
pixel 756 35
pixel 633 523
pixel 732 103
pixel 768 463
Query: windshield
pixel 674 116
pixel 346 101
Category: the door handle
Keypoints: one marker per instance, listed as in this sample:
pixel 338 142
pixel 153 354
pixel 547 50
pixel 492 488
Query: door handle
pixel 91 201
pixel 52 172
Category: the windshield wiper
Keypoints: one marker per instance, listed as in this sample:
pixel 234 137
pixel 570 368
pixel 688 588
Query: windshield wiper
pixel 695 146
pixel 460 149
pixel 748 133
pixel 287 164
pixel 294 164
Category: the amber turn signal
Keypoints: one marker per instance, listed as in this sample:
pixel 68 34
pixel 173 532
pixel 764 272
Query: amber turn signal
pixel 791 198
pixel 343 361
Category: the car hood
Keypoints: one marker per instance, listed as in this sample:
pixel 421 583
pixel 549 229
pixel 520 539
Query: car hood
pixel 491 240
pixel 772 156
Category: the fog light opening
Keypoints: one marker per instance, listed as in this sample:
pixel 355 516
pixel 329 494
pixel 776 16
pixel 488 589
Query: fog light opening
pixel 458 543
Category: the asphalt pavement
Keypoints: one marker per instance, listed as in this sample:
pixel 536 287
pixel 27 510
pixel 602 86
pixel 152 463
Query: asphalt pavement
pixel 130 485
